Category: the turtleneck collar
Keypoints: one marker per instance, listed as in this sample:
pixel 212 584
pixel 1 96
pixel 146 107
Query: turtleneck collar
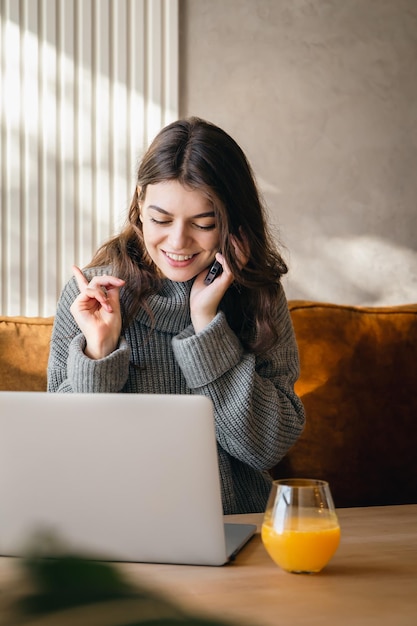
pixel 170 307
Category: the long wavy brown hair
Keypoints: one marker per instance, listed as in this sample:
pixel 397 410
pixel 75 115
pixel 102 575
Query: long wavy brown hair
pixel 203 157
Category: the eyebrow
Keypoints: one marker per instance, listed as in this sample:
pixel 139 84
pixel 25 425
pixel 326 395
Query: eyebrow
pixel 160 210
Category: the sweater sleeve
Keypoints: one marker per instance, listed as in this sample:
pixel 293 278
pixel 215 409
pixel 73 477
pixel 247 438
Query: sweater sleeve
pixel 257 412
pixel 69 369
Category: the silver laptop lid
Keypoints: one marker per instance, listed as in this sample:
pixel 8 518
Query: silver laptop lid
pixel 125 477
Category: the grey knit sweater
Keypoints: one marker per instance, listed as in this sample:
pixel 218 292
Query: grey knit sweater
pixel 257 413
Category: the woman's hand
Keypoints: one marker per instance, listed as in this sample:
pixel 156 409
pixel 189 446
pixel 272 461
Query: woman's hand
pixel 205 299
pixel 97 312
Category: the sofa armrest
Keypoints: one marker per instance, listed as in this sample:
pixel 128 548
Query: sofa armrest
pixel 24 350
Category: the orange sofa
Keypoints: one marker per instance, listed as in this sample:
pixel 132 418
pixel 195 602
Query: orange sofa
pixel 358 383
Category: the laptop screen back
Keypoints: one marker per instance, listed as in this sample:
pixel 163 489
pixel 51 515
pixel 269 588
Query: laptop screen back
pixel 125 477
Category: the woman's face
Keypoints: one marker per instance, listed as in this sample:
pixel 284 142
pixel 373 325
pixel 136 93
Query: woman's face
pixel 179 229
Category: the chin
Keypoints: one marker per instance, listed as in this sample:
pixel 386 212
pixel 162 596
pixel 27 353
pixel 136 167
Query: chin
pixel 179 279
pixel 177 276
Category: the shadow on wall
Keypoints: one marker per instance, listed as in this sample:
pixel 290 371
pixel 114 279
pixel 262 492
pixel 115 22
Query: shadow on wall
pixel 358 270
pixel 341 261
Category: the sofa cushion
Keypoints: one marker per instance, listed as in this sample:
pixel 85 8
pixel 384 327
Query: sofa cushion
pixel 24 350
pixel 358 385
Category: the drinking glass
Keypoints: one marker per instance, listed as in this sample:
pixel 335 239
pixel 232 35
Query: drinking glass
pixel 300 529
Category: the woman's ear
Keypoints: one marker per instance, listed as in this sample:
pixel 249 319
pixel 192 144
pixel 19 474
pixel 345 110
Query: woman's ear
pixel 241 247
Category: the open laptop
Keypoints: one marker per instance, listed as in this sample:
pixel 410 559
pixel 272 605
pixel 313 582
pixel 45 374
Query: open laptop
pixel 120 477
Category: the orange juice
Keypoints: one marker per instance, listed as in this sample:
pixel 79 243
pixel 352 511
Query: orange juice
pixel 305 544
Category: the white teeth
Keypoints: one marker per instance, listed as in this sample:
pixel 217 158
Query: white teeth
pixel 179 257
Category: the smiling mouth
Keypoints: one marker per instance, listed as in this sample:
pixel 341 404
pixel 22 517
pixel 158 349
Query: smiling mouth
pixel 179 257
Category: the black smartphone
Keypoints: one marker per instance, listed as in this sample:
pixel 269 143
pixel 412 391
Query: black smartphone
pixel 213 272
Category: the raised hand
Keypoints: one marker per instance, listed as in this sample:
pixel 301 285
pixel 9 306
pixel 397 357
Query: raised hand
pixel 205 299
pixel 97 312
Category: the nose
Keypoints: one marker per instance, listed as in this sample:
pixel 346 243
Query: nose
pixel 179 237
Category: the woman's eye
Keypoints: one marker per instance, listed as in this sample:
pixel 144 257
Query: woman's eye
pixel 206 227
pixel 161 222
pixel 168 222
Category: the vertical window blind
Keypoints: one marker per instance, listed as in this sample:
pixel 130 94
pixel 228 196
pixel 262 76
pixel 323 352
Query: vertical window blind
pixel 84 86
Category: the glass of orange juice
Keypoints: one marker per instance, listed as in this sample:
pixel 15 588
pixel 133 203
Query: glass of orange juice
pixel 300 529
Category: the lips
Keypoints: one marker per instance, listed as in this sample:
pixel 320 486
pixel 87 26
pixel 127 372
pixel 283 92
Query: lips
pixel 179 257
pixel 179 261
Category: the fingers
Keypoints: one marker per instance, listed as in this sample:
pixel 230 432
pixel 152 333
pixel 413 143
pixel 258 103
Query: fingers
pixel 99 293
pixel 82 282
pixel 98 288
pixel 224 279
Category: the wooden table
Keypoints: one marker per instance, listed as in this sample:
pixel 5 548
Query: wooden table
pixel 372 579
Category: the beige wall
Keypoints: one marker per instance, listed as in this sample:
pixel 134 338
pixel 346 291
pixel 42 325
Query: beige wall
pixel 322 96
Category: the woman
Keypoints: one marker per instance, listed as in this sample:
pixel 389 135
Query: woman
pixel 141 318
